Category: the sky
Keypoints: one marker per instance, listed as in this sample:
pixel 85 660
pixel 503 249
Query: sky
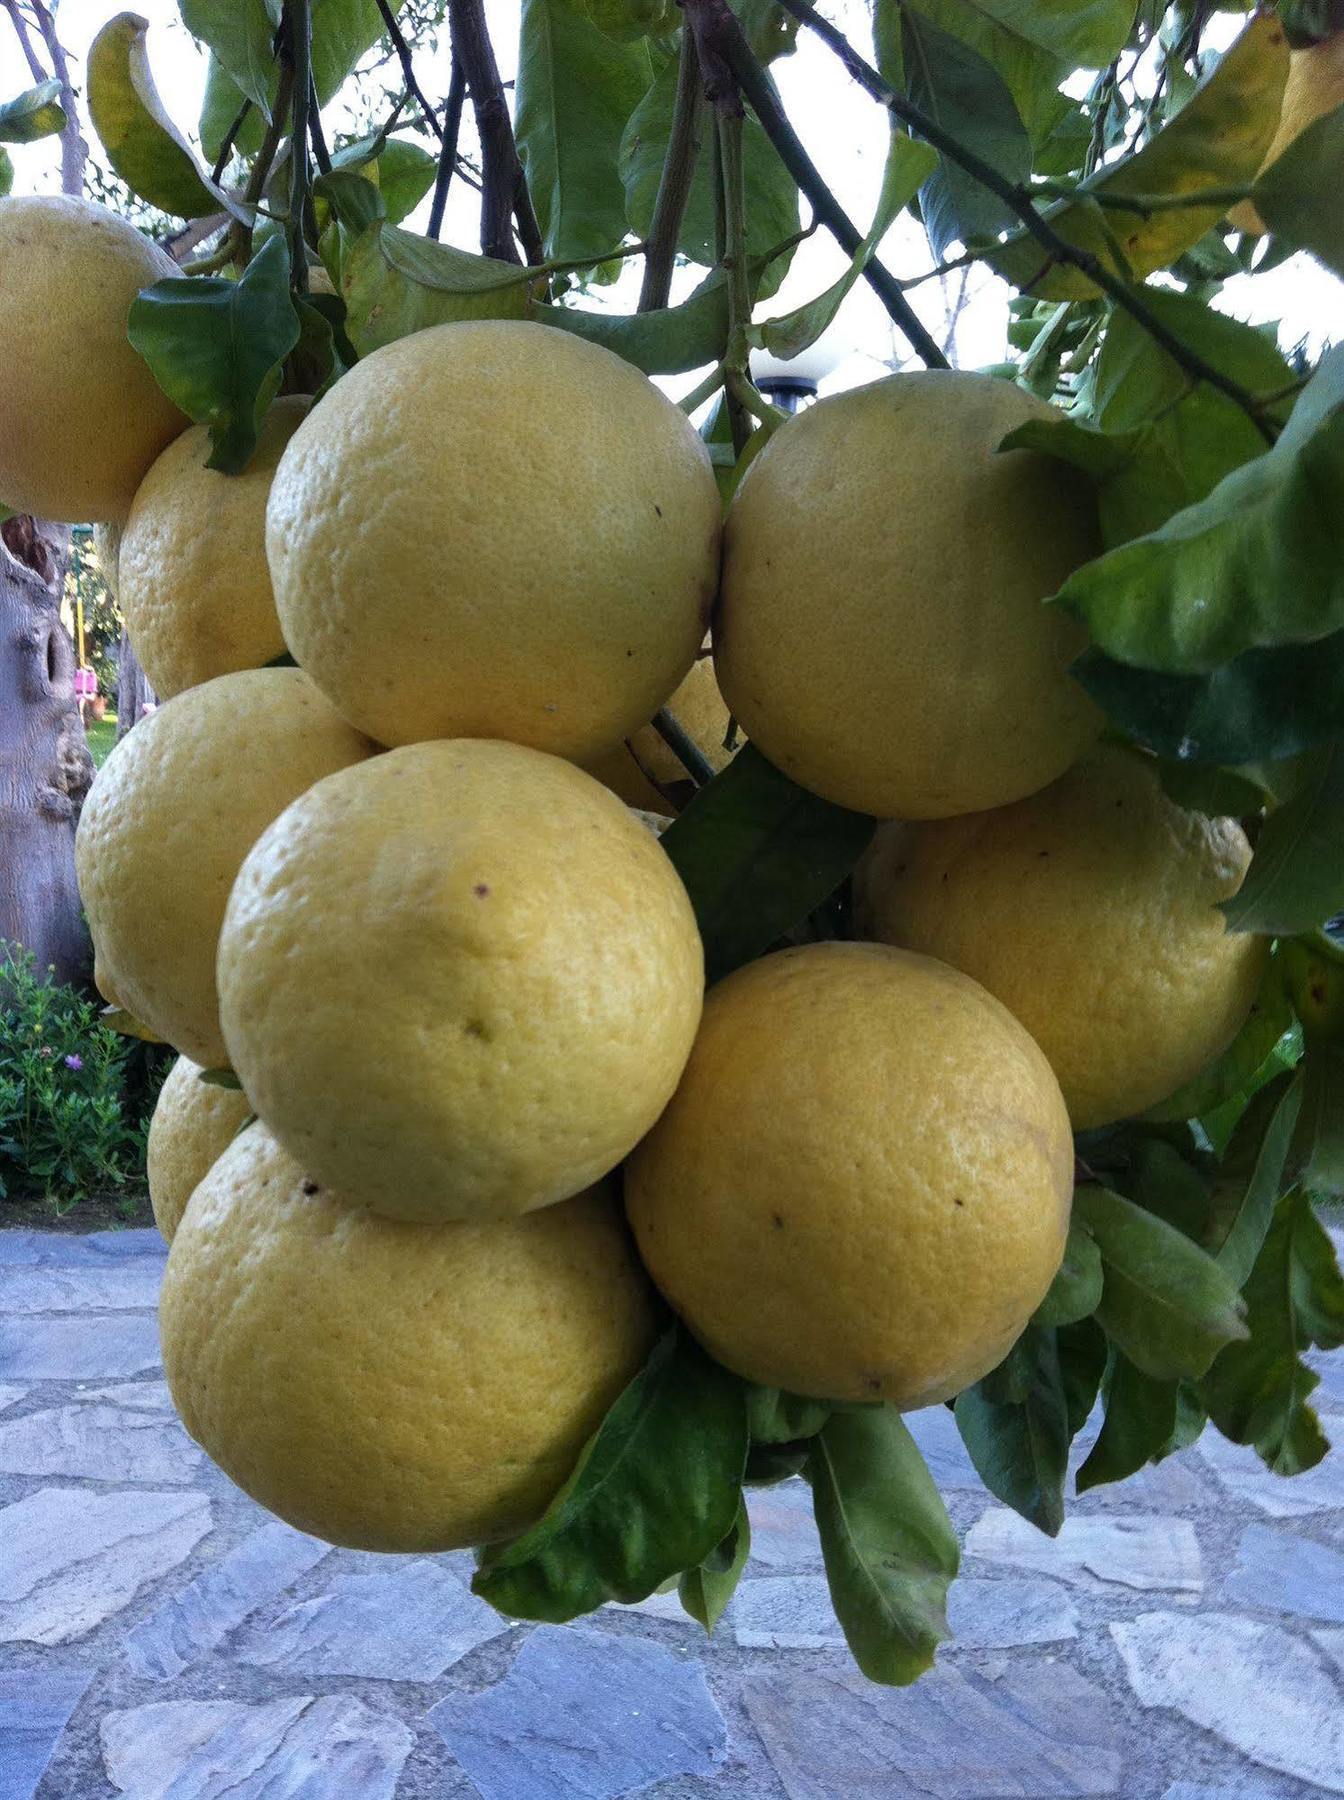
pixel 845 132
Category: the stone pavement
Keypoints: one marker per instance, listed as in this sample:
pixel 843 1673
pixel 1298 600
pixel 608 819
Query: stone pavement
pixel 163 1639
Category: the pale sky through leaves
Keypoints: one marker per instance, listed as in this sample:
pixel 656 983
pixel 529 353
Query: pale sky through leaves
pixel 845 132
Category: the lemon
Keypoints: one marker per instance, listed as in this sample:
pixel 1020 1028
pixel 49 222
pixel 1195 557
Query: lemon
pixel 194 586
pixel 697 705
pixel 193 1125
pixel 393 1386
pixel 880 634
pixel 861 1189
pixel 460 981
pixel 171 815
pixel 1090 910
pixel 1315 86
pixel 81 417
pixel 495 529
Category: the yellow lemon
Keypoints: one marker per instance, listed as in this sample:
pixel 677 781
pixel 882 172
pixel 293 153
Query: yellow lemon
pixel 697 705
pixel 459 981
pixel 1315 86
pixel 495 529
pixel 1090 910
pixel 861 1189
pixel 81 417
pixel 170 817
pixel 193 1125
pixel 194 586
pixel 881 634
pixel 392 1386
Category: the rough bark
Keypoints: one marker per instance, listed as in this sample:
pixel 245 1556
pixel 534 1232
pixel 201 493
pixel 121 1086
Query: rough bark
pixel 45 766
pixel 134 693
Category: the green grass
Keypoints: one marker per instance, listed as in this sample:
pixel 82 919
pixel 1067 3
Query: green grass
pixel 102 734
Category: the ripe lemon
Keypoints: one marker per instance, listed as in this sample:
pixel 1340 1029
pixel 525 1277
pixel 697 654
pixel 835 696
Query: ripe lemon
pixel 393 1386
pixel 495 529
pixel 194 586
pixel 1090 911
pixel 171 815
pixel 861 1188
pixel 1315 86
pixel 459 981
pixel 880 634
pixel 81 417
pixel 193 1125
pixel 698 708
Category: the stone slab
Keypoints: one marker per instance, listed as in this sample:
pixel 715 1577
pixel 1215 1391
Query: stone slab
pixel 935 1431
pixel 1002 1614
pixel 9 1393
pixel 1246 1478
pixel 785 1612
pixel 109 1284
pixel 98 1443
pixel 142 1396
pixel 1145 1551
pixel 80 1347
pixel 1291 1574
pixel 21 1248
pixel 783 1531
pixel 35 1707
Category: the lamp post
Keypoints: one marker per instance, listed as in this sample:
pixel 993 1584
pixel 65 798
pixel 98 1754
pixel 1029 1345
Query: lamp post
pixel 793 385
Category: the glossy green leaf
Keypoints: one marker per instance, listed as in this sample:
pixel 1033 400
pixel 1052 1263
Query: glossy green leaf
pixel 1138 1425
pixel 1217 140
pixel 952 82
pixel 908 164
pixel 1319 1149
pixel 1016 1427
pixel 1030 72
pixel 143 145
pixel 395 282
pixel 1263 706
pixel 1296 878
pixel 1255 564
pixel 1137 379
pixel 220 106
pixel 757 853
pixel 1270 1017
pixel 576 90
pixel 890 1549
pixel 1083 1352
pixel 669 341
pixel 215 347
pixel 1161 1176
pixel 352 198
pixel 705 1591
pixel 1253 1172
pixel 1076 1289
pixel 241 36
pixel 656 1490
pixel 38 113
pixel 402 171
pixel 774 1417
pixel 1165 1303
pixel 1221 793
pixel 771 197
pixel 1257 1392
pixel 1133 474
pixel 1078 32
pixel 1291 194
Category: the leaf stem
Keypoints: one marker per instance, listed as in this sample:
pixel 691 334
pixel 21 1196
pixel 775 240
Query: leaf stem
pixel 736 355
pixel 674 184
pixel 452 125
pixel 240 236
pixel 504 192
pixel 298 46
pixel 321 154
pixel 1018 199
pixel 683 746
pixel 1143 204
pixel 229 139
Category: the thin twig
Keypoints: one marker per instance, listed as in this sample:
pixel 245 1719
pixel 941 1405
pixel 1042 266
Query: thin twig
pixel 1018 200
pixel 504 187
pixel 403 51
pixel 298 52
pixel 74 150
pixel 240 235
pixel 34 61
pixel 321 154
pixel 733 261
pixel 674 184
pixel 683 746
pixel 728 36
pixel 229 139
pixel 452 126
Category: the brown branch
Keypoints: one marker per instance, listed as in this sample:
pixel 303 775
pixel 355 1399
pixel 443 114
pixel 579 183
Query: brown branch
pixel 452 126
pixel 674 184
pixel 504 186
pixel 722 29
pixel 228 140
pixel 403 51
pixel 1016 198
pixel 74 150
pixel 35 67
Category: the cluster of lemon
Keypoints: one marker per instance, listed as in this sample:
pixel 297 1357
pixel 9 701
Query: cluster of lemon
pixel 458 978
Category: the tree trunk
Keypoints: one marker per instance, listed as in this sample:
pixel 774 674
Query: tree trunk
pixel 45 766
pixel 134 693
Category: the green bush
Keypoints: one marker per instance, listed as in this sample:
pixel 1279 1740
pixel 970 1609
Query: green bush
pixel 75 1097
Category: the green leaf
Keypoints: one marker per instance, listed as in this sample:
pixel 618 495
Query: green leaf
pixel 1290 195
pixel 1217 140
pixel 1165 1302
pixel 774 1417
pixel 404 173
pixel 220 106
pixel 1139 1424
pixel 1137 379
pixel 143 145
pixel 215 347
pixel 769 1464
pixel 1083 1353
pixel 1016 1427
pixel 705 1591
pixel 770 31
pixel 356 201
pixel 1255 564
pixel 656 1489
pixel 1320 1136
pixel 241 36
pixel 1313 973
pixel 576 90
pixel 395 282
pixel 1263 706
pixel 6 183
pixel 1257 1392
pixel 221 1078
pixel 771 197
pixel 669 341
pixel 38 113
pixel 1030 72
pixel 1270 1017
pixel 757 853
pixel 908 165
pixel 964 92
pixel 889 1546
pixel 116 1018
pixel 1252 1175
pixel 1221 793
pixel 1296 878
pixel 1133 474
pixel 1076 1288
pixel 1078 32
